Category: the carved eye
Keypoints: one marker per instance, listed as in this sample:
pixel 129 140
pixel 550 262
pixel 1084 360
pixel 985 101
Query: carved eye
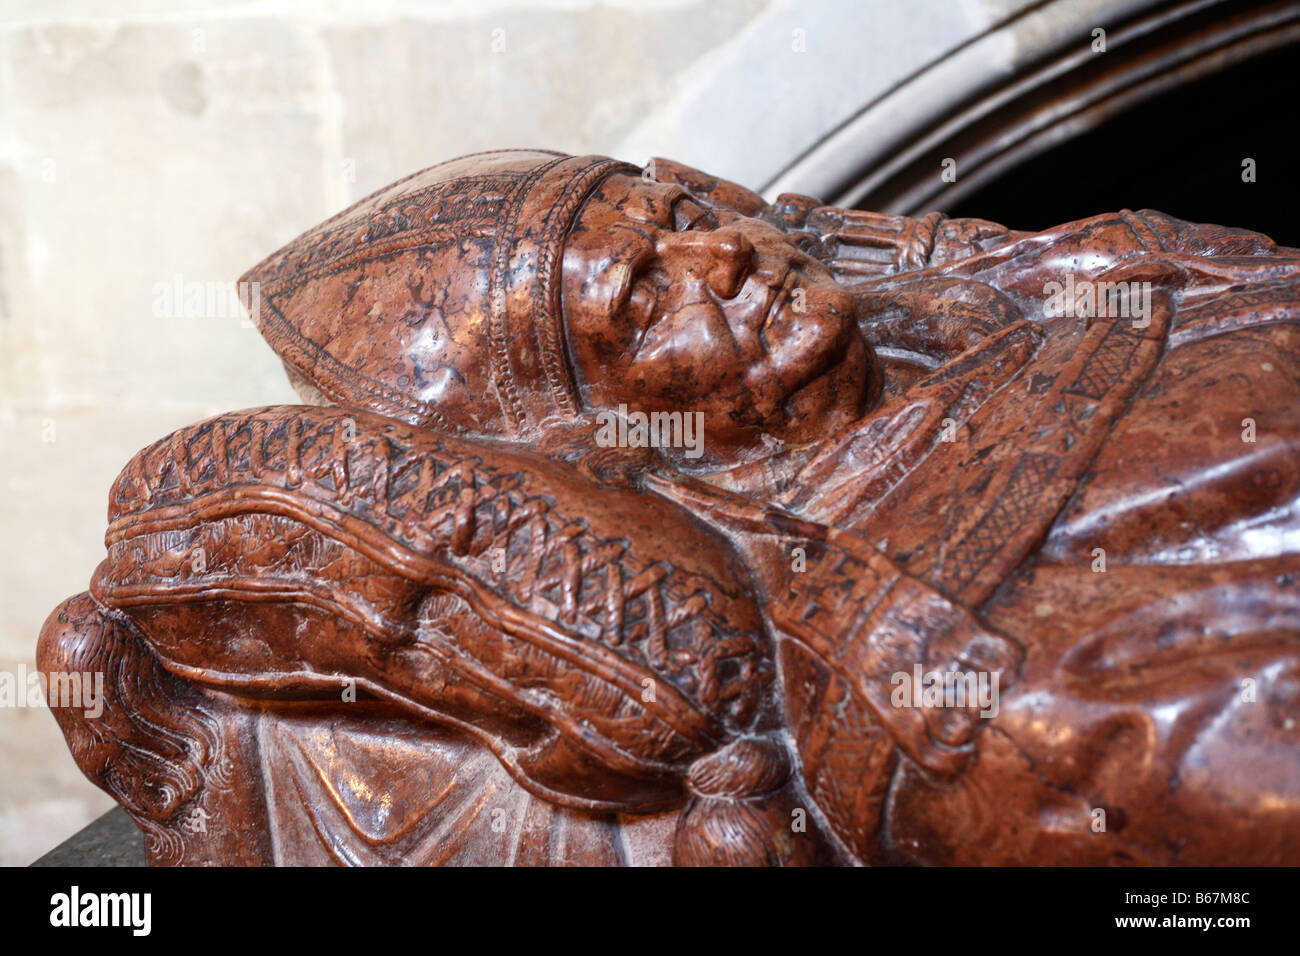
pixel 642 303
pixel 688 214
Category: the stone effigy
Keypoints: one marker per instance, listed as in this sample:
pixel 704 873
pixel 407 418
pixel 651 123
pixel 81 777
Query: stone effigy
pixel 631 519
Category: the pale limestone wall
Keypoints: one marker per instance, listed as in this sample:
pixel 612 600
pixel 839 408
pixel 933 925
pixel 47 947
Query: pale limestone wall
pixel 144 140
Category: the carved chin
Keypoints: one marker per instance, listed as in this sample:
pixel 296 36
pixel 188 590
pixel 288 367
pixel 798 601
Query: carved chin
pixel 840 394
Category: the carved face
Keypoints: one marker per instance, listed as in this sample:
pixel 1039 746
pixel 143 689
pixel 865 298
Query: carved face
pixel 669 306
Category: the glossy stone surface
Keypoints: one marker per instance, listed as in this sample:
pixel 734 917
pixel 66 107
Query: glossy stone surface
pixel 452 611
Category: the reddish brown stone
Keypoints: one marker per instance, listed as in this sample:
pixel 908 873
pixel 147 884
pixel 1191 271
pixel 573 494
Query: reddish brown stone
pixel 452 611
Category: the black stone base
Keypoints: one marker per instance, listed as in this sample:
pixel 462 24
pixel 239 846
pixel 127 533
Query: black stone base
pixel 112 840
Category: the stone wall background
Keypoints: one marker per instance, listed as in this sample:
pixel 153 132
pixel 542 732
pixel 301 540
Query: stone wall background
pixel 141 141
pixel 145 143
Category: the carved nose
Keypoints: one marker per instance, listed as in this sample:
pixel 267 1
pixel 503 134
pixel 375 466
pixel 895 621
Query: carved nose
pixel 723 257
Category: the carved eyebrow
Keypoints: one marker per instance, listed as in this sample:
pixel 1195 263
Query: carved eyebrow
pixel 656 209
pixel 705 214
pixel 674 196
pixel 632 227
